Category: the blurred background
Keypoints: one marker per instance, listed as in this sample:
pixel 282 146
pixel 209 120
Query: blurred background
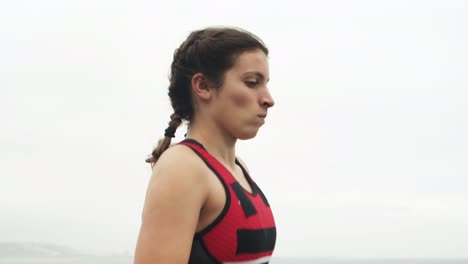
pixel 365 153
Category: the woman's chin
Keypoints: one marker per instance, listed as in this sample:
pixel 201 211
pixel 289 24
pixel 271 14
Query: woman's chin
pixel 247 134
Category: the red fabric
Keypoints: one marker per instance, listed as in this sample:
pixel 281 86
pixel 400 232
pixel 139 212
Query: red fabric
pixel 221 240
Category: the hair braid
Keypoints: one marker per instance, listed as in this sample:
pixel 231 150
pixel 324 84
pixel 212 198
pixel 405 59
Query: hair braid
pixel 165 142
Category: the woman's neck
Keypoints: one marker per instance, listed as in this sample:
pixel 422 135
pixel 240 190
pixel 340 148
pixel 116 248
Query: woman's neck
pixel 216 141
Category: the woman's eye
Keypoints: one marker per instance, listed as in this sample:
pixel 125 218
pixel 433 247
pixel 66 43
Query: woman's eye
pixel 251 83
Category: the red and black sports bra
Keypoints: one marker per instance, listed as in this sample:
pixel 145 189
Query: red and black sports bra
pixel 245 231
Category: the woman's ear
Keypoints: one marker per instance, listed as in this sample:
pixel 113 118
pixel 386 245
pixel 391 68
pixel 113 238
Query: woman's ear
pixel 201 87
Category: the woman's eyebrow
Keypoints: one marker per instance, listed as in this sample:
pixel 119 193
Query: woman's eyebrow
pixel 257 73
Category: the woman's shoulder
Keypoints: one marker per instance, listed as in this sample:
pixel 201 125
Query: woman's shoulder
pixel 181 162
pixel 177 171
pixel 178 152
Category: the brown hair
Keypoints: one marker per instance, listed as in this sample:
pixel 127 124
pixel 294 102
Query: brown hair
pixel 210 51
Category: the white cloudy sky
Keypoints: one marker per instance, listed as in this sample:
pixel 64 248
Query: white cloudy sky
pixel 365 153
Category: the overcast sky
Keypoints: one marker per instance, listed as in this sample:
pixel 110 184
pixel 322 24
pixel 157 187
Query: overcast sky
pixel 365 153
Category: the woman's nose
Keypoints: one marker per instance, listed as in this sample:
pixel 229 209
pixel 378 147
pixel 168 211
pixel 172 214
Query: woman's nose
pixel 267 100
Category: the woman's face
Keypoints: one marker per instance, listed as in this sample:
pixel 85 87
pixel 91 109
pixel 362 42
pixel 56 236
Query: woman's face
pixel 241 104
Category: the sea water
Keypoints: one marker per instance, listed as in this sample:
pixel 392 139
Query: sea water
pixel 274 260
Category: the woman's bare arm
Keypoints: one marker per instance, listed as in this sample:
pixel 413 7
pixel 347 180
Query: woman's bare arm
pixel 176 193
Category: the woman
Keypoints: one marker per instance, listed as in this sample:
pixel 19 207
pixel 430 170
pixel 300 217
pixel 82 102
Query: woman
pixel 201 204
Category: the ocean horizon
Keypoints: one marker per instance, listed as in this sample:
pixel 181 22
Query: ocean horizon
pixel 274 260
